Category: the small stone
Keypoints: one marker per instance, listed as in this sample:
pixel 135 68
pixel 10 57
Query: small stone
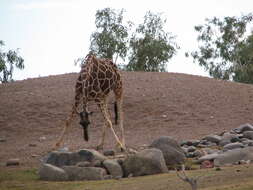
pixel 2 140
pixel 13 162
pixel 42 138
pixel 109 152
pixel 34 155
pixel 32 145
pixel 108 177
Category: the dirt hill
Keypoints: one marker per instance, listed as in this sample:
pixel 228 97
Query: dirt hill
pixel 182 106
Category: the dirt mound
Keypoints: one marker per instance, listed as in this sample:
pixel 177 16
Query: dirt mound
pixel 182 106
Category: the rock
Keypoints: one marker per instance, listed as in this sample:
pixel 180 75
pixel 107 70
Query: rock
pixel 191 149
pixel 209 150
pixel 84 173
pixel 113 167
pixel 243 128
pixel 209 157
pixel 234 156
pixel 13 162
pixel 97 163
pixel 42 139
pixel 109 152
pixel 72 158
pixel 213 138
pixel 231 146
pixel 172 152
pixel 2 139
pixel 32 145
pixel 146 162
pixel 227 138
pixel 248 134
pixel 84 164
pixel 49 172
pixel 97 155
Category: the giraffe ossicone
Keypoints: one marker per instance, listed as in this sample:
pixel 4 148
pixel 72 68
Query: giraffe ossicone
pixel 97 78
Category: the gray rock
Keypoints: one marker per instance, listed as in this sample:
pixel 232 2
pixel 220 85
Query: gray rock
pixel 190 143
pixel 84 173
pixel 146 162
pixel 234 156
pixel 13 162
pixel 114 169
pixel 209 150
pixel 97 155
pixel 109 152
pixel 172 152
pixel 213 138
pixel 72 158
pixel 191 149
pixel 248 134
pixel 49 172
pixel 227 138
pixel 210 157
pixel 231 146
pixel 2 139
pixel 243 128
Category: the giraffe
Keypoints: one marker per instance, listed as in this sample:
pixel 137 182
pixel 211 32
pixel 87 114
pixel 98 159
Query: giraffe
pixel 97 78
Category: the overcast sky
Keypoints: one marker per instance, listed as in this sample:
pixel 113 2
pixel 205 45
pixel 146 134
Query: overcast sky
pixel 51 34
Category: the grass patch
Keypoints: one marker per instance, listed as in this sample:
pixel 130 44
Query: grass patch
pixel 229 178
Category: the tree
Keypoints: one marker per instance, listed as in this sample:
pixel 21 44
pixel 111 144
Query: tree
pixel 9 60
pixel 110 39
pixel 224 49
pixel 151 47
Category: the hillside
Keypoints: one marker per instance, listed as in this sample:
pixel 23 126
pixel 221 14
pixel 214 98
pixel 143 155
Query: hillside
pixel 155 104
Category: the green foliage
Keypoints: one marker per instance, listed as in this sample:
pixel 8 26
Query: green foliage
pixel 9 60
pixel 111 36
pixel 224 50
pixel 151 47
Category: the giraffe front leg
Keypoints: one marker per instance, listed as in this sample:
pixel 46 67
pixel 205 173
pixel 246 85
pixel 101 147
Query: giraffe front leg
pixel 106 115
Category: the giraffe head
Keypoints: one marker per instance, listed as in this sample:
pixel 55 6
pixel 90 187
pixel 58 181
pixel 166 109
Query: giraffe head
pixel 84 122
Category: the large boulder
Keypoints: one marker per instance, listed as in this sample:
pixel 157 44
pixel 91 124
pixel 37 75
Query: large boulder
pixel 113 167
pixel 248 134
pixel 234 156
pixel 76 173
pixel 49 172
pixel 72 158
pixel 231 146
pixel 146 162
pixel 227 138
pixel 172 152
pixel 243 128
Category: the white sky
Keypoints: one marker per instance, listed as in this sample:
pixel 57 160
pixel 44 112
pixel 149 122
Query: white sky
pixel 51 34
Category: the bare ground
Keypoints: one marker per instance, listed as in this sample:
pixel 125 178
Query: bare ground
pixel 155 104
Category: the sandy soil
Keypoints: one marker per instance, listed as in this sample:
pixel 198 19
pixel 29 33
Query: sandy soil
pixel 183 106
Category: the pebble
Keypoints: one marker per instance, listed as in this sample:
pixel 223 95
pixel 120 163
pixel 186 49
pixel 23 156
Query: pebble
pixel 2 140
pixel 13 162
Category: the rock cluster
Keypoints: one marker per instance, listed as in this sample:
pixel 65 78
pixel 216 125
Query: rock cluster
pixel 233 147
pixel 89 164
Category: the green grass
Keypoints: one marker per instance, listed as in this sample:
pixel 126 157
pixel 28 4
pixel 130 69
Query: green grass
pixel 229 178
